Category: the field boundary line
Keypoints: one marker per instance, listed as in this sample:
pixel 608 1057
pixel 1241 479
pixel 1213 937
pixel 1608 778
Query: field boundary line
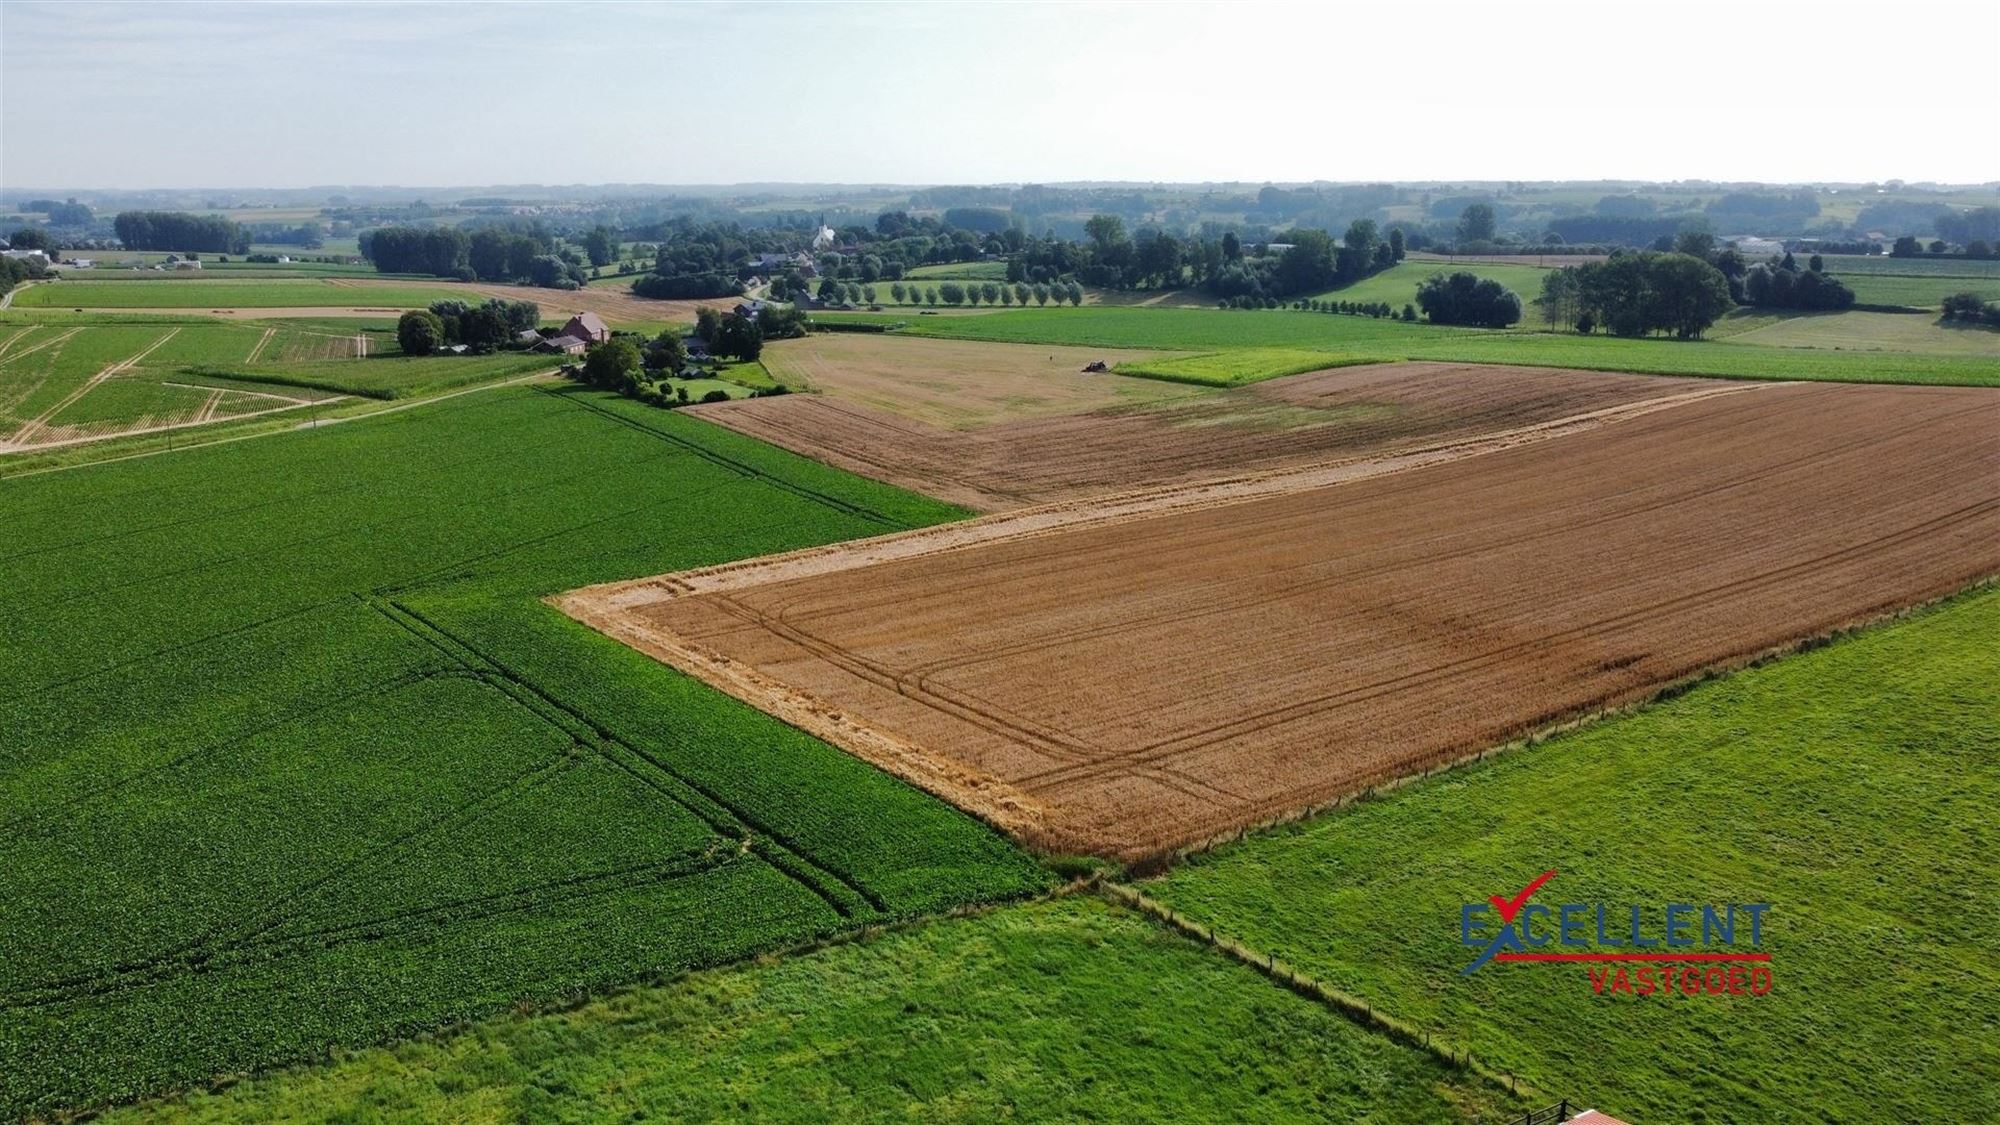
pixel 1287 976
pixel 985 796
pixel 722 817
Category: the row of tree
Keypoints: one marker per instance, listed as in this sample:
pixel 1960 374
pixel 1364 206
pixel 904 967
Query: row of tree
pixel 494 254
pixel 180 232
pixel 482 328
pixel 1783 285
pixel 955 293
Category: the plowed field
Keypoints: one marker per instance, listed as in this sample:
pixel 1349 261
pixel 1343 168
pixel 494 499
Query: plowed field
pixel 1154 678
pixel 871 427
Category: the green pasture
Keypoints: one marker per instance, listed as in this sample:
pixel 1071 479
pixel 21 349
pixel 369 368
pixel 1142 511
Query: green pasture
pixel 1235 367
pixel 1397 285
pixel 1850 788
pixel 958 271
pixel 1070 1010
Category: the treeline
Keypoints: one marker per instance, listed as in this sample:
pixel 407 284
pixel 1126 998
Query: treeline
pixel 487 254
pixel 14 271
pixel 1971 309
pixel 1783 285
pixel 62 213
pixel 1637 294
pixel 482 328
pixel 954 293
pixel 180 232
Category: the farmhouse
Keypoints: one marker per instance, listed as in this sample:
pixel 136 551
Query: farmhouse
pixel 588 327
pixel 564 344
pixel 27 256
pixel 696 348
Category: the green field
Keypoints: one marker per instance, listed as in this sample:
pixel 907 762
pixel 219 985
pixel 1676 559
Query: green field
pixel 292 757
pixel 1397 285
pixel 1847 265
pixel 1916 333
pixel 1851 787
pixel 1069 1010
pixel 45 358
pixel 209 294
pixel 1365 337
pixel 389 376
pixel 1235 367
pixel 956 271
pixel 1917 292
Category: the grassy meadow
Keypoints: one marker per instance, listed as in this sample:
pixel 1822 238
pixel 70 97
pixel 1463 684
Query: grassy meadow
pixel 1068 1009
pixel 1850 787
pixel 1397 285
pixel 1234 368
pixel 353 781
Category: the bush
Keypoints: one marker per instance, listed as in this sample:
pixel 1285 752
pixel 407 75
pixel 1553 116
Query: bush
pixel 419 332
pixel 716 396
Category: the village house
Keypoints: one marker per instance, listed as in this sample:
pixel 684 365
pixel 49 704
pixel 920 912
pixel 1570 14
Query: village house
pixel 588 327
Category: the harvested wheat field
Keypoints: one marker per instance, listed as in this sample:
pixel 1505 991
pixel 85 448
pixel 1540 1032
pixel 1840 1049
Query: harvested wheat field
pixel 1182 435
pixel 1148 677
pixel 959 383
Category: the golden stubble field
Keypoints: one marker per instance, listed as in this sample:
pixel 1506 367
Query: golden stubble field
pixel 1140 673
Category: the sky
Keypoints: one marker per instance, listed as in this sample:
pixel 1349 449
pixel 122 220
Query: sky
pixel 177 95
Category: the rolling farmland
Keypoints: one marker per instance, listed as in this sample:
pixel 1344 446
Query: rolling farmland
pixel 1186 673
pixel 351 758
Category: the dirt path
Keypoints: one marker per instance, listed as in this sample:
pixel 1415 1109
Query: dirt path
pixel 50 342
pixel 207 411
pixel 7 345
pixel 259 349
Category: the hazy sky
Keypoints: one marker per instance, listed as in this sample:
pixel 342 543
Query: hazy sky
pixel 283 95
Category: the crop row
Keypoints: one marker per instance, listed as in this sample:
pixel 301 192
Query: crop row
pixel 291 756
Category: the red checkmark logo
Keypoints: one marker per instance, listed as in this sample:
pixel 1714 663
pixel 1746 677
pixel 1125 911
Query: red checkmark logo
pixel 1508 907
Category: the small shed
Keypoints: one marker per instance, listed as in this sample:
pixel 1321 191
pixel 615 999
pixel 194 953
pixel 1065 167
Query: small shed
pixel 563 345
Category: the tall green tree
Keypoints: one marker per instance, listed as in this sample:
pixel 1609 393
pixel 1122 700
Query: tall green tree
pixel 419 332
pixel 600 247
pixel 1477 223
